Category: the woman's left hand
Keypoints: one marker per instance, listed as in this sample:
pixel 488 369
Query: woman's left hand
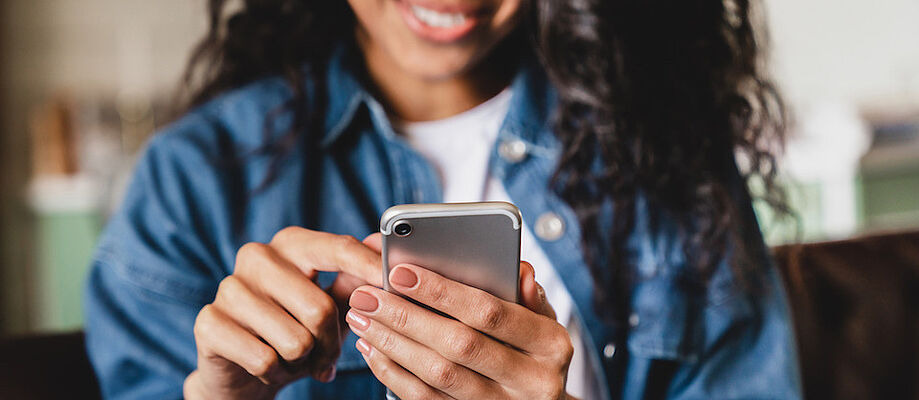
pixel 494 349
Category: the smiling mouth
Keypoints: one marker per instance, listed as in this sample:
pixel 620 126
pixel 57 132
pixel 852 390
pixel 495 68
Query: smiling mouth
pixel 437 23
pixel 437 19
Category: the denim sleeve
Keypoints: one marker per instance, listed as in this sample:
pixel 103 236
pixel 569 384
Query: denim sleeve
pixel 734 340
pixel 152 271
pixel 744 355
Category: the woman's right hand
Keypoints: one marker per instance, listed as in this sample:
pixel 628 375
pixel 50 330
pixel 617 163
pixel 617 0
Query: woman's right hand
pixel 270 322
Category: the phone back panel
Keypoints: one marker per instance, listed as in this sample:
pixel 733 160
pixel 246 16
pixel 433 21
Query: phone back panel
pixel 464 242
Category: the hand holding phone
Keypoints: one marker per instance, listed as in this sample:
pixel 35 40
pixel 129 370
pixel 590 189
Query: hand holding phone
pixel 462 336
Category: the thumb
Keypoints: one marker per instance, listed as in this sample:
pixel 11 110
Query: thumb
pixel 344 283
pixel 532 295
pixel 374 241
pixel 340 291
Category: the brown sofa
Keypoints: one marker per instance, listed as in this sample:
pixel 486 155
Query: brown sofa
pixel 856 312
pixel 46 367
pixel 855 306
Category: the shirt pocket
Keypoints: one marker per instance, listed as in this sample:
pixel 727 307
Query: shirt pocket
pixel 664 323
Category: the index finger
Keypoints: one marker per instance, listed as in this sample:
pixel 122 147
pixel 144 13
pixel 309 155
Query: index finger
pixel 508 322
pixel 312 251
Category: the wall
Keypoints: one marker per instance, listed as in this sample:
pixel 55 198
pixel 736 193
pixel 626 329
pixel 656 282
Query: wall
pixel 845 66
pixel 852 51
pixel 86 49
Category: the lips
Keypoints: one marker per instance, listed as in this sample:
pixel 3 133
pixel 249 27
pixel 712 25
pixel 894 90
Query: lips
pixel 437 22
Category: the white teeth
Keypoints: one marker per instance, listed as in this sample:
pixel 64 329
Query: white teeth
pixel 437 19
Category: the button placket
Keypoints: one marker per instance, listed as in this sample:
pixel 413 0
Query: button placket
pixel 609 351
pixel 634 320
pixel 549 227
pixel 512 150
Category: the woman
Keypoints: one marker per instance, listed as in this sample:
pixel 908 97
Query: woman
pixel 232 269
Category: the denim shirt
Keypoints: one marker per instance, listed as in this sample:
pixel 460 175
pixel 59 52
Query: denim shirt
pixel 189 207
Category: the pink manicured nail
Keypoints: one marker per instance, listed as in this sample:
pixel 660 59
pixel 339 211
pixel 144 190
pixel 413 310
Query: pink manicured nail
pixel 364 301
pixel 404 277
pixel 363 347
pixel 357 321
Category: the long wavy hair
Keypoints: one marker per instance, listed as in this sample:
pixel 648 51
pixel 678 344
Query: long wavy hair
pixel 655 99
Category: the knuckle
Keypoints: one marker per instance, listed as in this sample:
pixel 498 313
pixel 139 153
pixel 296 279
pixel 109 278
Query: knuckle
pixel 252 250
pixel 298 347
pixel 324 306
pixel 229 283
pixel 465 346
pixel 492 315
pixel 286 234
pixel 204 322
pixel 437 293
pixel 400 318
pixel 562 348
pixel 251 255
pixel 387 343
pixel 550 386
pixel 345 242
pixel 263 363
pixel 321 310
pixel 445 375
pixel 229 290
pixel 381 369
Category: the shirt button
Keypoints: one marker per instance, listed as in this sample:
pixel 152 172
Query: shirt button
pixel 513 150
pixel 633 320
pixel 550 226
pixel 609 350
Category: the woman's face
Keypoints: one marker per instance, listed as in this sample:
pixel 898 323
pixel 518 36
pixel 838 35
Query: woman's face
pixel 434 39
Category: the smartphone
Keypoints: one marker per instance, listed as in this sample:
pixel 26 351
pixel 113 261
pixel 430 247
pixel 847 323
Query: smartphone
pixel 477 244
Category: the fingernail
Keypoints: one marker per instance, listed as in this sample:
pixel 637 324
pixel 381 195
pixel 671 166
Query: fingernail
pixel 363 301
pixel 363 347
pixel 328 375
pixel 404 277
pixel 357 321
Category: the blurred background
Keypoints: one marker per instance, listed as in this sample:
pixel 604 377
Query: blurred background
pixel 83 83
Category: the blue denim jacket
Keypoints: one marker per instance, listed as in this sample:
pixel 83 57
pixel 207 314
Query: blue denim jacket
pixel 189 208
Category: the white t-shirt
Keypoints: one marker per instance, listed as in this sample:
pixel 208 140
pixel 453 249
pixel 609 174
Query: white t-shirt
pixel 459 148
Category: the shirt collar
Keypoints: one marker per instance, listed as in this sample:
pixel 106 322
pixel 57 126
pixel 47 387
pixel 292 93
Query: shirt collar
pixel 532 108
pixel 344 92
pixel 532 103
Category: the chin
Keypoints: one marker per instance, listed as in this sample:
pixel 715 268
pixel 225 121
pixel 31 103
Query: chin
pixel 436 65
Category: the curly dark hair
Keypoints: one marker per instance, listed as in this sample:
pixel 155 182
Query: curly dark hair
pixel 659 93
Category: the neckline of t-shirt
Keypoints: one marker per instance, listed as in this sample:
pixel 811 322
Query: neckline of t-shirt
pixel 498 103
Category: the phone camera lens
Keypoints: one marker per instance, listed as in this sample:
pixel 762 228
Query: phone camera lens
pixel 403 229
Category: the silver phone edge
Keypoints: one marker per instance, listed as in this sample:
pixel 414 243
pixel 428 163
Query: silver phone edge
pixel 394 213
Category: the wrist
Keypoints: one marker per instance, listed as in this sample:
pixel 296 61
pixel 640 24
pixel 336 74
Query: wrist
pixel 197 386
